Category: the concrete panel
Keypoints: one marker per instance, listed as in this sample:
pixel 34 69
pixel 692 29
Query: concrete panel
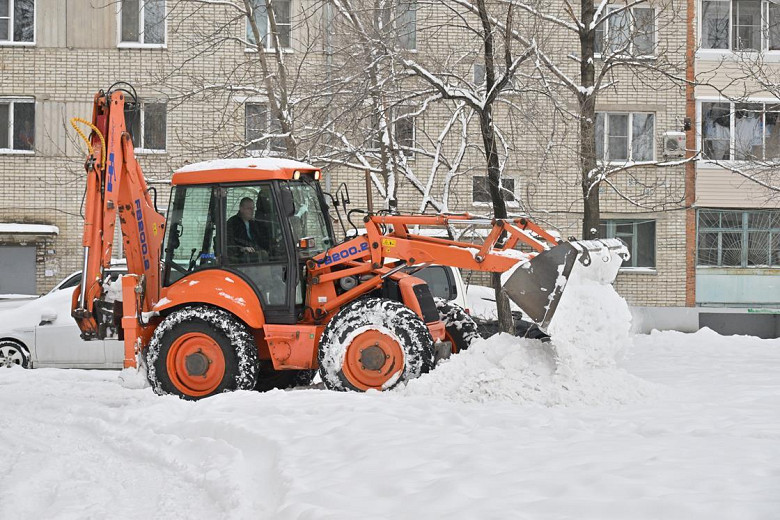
pixel 760 325
pixel 50 23
pixel 741 287
pixel 646 319
pixel 92 25
pixel 719 188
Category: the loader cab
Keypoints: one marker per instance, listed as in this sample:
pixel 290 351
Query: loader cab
pixel 253 219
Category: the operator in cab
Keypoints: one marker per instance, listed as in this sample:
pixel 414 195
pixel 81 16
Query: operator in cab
pixel 247 239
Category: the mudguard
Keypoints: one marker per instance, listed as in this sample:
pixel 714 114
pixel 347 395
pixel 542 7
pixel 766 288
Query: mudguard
pixel 218 288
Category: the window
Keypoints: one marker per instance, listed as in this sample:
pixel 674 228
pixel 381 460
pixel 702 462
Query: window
pixel 17 125
pixel 739 238
pixel 406 24
pixel 740 131
pixel 404 131
pixel 740 25
pixel 480 189
pixel 628 32
pixel 625 137
pixel 282 16
pixel 142 22
pixel 147 126
pixel 17 21
pixel 263 129
pixel 639 236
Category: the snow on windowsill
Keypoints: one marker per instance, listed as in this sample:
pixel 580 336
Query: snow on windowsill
pixel 11 151
pixel 7 43
pixel 149 151
pixel 285 50
pixel 29 229
pixel 136 45
pixel 638 270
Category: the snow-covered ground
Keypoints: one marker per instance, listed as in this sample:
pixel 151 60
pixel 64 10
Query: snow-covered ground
pixel 595 425
pixel 688 427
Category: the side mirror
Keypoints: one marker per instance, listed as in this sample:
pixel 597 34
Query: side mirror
pixel 48 316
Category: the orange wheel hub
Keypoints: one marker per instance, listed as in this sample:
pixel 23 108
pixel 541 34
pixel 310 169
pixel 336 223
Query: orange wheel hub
pixel 196 364
pixel 372 359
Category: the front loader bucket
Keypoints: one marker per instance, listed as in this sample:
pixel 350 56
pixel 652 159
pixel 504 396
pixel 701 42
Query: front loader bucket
pixel 536 286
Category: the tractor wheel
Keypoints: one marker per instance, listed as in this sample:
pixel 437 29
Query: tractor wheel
pixel 200 351
pixel 460 329
pixel 13 353
pixel 374 343
pixel 268 378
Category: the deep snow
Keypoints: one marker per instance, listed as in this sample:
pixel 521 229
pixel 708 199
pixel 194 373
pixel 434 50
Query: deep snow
pixel 703 443
pixel 597 425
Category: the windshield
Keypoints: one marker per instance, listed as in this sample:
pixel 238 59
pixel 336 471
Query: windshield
pixel 309 221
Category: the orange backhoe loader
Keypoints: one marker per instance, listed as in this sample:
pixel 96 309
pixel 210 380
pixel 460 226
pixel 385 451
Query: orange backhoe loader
pixel 245 286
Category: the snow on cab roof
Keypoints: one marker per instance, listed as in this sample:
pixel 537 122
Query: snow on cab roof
pixel 260 163
pixel 248 169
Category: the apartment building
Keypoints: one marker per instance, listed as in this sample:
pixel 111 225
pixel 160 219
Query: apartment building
pixel 54 55
pixel 737 211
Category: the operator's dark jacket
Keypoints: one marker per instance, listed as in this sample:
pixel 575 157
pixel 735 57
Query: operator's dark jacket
pixel 237 237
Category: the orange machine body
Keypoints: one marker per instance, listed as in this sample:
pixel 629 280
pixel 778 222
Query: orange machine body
pixel 116 187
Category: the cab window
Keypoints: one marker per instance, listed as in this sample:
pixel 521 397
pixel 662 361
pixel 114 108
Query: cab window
pixel 191 237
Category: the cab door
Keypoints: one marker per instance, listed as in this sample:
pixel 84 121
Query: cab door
pixel 258 247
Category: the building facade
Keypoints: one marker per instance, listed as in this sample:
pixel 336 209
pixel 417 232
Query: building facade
pixel 202 96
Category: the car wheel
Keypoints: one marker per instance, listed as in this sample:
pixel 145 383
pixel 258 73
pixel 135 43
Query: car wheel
pixel 13 353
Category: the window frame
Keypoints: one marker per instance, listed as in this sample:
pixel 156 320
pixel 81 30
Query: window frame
pixel 632 27
pixel 611 225
pixel 514 203
pixel 630 141
pixel 763 31
pixel 11 42
pixel 143 150
pixel 268 149
pixel 765 102
pixel 744 230
pixel 267 47
pixel 11 101
pixel 121 44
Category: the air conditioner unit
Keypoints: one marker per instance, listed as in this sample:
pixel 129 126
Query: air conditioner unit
pixel 674 144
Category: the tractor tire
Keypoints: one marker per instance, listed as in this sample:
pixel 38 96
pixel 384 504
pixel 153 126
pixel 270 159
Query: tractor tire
pixel 460 330
pixel 374 343
pixel 200 351
pixel 268 378
pixel 13 353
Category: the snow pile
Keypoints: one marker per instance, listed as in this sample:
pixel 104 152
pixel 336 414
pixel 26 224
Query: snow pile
pixel 134 378
pixel 590 329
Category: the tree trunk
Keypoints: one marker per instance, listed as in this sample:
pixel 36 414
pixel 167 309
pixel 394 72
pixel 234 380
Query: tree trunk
pixel 591 214
pixel 505 320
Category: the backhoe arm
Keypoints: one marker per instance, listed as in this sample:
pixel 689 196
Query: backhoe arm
pixel 115 186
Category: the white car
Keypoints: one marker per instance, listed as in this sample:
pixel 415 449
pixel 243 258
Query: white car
pixel 42 333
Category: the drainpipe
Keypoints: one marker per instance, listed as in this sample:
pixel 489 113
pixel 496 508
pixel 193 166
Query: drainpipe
pixel 690 166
